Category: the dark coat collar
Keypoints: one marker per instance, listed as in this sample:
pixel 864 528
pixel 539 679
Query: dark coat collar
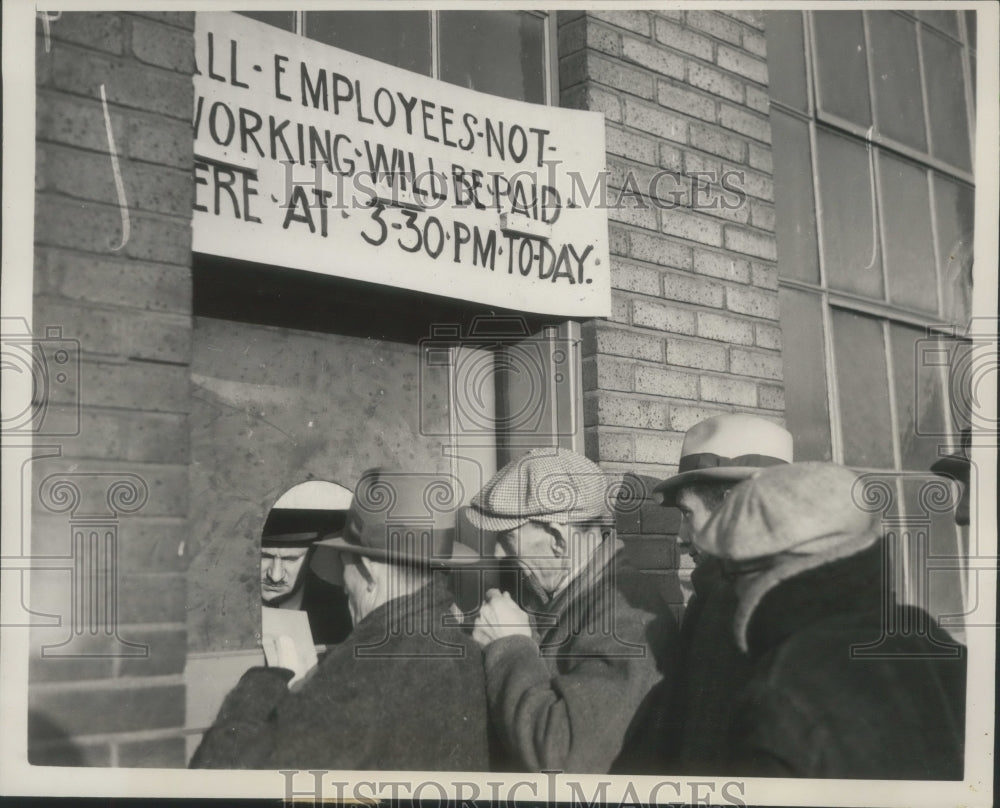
pixel 848 586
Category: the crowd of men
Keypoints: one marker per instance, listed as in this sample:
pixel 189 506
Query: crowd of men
pixel 784 663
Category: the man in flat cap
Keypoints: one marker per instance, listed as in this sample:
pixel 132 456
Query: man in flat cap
pixel 833 692
pixel 406 689
pixel 565 669
pixel 681 726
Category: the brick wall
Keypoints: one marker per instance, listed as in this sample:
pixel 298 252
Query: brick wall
pixel 110 510
pixel 694 330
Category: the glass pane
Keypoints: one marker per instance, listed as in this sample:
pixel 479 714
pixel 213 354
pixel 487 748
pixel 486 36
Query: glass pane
pixel 954 204
pixel 807 411
pixel 786 58
pixel 795 207
pixel 920 396
pixel 279 19
pixel 933 543
pixel 841 66
pixel 899 106
pixel 972 75
pixel 851 254
pixel 946 21
pixel 946 97
pixel 400 38
pixel 534 381
pixel 970 28
pixel 863 390
pixel 906 224
pixel 498 52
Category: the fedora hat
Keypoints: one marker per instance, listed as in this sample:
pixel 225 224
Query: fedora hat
pixel 726 448
pixel 403 517
pixel 306 512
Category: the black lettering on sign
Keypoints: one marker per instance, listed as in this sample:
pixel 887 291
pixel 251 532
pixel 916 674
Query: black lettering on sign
pixel 385 107
pixel 199 167
pixel 433 231
pixel 298 198
pixel 469 121
pixel 225 178
pixel 250 123
pixel 343 90
pixel 322 200
pixel 484 253
pixel 383 230
pixel 484 246
pixel 462 237
pixel 314 94
pixel 279 70
pixel 232 66
pixel 411 218
pixel 229 123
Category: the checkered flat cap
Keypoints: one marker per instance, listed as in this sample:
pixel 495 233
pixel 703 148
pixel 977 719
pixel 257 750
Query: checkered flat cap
pixel 546 485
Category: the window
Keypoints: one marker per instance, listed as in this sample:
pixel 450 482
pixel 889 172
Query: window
pixel 872 116
pixel 505 53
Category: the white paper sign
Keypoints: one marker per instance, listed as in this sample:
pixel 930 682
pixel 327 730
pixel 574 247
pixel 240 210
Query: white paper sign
pixel 287 641
pixel 314 158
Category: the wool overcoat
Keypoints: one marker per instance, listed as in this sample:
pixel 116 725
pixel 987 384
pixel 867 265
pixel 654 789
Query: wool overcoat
pixel 405 691
pixel 565 700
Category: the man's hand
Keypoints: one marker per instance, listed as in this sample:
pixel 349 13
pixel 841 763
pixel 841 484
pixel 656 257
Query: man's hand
pixel 500 617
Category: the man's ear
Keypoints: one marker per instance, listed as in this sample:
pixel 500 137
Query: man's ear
pixel 558 532
pixel 367 570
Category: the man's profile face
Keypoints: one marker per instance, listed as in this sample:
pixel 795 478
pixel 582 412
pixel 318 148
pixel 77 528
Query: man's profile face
pixel 534 548
pixel 694 515
pixel 281 572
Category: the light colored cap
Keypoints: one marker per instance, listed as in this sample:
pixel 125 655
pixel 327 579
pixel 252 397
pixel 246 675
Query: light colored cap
pixel 802 508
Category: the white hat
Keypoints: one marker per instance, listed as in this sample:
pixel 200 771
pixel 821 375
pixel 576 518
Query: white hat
pixel 727 448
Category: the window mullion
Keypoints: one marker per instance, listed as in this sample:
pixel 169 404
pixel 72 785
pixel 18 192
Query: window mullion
pixel 807 45
pixel 970 98
pixel 435 44
pixel 832 388
pixel 936 241
pixel 923 88
pixel 551 60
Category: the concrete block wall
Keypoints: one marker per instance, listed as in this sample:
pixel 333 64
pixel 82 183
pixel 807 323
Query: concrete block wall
pixel 119 520
pixel 694 330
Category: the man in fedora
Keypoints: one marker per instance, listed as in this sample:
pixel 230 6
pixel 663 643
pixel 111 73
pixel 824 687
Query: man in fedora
pixel 833 690
pixel 568 665
pixel 681 726
pixel 288 578
pixel 406 689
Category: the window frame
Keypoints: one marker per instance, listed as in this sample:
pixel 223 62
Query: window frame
pixel 884 311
